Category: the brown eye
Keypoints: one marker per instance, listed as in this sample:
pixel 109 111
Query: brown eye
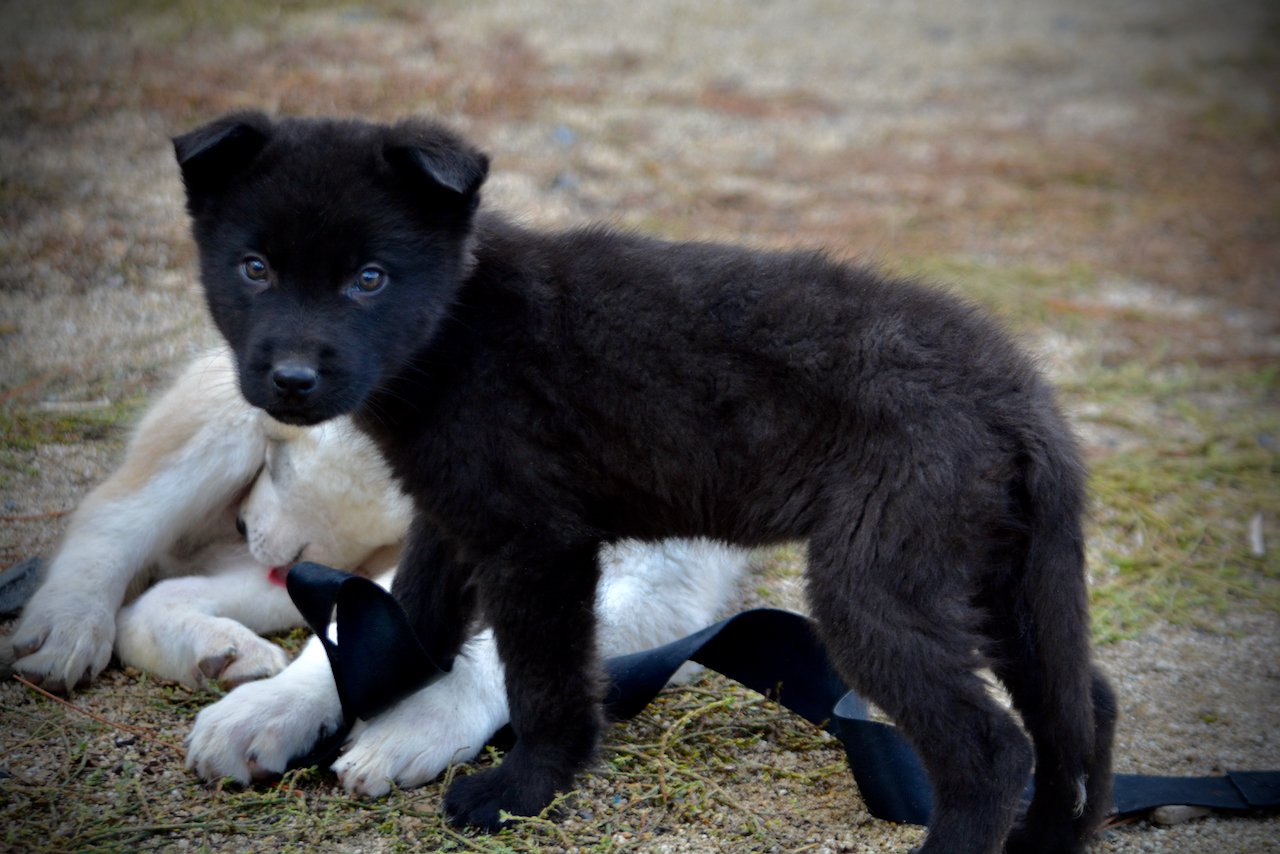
pixel 370 280
pixel 255 270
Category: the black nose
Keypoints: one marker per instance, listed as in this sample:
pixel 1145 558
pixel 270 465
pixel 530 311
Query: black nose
pixel 294 379
pixel 241 528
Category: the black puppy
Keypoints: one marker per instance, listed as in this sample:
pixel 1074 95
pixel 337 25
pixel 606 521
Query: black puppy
pixel 541 394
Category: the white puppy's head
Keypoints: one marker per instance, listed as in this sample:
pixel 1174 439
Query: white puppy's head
pixel 324 494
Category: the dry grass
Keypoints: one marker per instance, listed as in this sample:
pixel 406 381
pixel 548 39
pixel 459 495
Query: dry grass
pixel 699 758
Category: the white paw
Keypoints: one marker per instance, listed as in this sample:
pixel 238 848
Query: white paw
pixel 63 641
pixel 253 732
pixel 234 665
pixel 445 723
pixel 226 652
pixel 404 748
pixel 191 647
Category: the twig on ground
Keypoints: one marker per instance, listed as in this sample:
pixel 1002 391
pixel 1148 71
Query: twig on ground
pixel 138 731
pixel 34 517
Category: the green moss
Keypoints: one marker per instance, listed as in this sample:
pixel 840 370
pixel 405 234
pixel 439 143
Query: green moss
pixel 1171 513
pixel 1023 295
pixel 27 429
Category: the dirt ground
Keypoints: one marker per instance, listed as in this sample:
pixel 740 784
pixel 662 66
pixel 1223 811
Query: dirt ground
pixel 1104 175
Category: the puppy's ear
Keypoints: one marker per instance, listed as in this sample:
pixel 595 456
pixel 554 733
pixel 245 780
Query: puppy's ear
pixel 211 155
pixel 445 160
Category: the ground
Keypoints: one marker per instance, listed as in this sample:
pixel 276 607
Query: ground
pixel 1105 176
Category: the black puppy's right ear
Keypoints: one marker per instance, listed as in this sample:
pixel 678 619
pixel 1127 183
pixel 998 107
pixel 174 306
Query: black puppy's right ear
pixel 210 156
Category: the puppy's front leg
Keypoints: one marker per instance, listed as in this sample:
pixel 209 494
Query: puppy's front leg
pixel 543 618
pixel 253 732
pixel 197 446
pixel 437 593
pixel 649 594
pixel 199 629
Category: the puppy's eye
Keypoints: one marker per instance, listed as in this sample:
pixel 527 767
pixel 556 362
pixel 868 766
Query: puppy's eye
pixel 370 280
pixel 255 270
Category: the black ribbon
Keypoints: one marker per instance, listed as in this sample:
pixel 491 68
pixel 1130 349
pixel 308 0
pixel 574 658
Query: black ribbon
pixel 378 659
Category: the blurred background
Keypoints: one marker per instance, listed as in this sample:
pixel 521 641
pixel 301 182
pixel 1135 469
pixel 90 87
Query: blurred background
pixel 1103 175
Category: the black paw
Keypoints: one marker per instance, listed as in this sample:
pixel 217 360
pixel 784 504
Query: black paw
pixel 1059 839
pixel 479 800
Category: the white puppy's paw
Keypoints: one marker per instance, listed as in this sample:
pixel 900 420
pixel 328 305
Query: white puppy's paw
pixel 406 746
pixel 253 732
pixel 236 656
pixel 173 638
pixel 63 640
pixel 444 723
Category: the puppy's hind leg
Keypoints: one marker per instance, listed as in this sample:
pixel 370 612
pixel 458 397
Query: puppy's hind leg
pixel 898 627
pixel 1069 803
pixel 543 618
pixel 1038 621
pixel 1070 711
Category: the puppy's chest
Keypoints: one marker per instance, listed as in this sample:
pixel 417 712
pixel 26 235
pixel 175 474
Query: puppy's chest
pixel 459 443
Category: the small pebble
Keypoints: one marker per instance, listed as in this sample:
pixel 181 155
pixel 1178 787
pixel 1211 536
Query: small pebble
pixel 1177 814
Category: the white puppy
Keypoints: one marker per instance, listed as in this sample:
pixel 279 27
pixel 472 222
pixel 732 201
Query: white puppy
pixel 153 566
pixel 167 515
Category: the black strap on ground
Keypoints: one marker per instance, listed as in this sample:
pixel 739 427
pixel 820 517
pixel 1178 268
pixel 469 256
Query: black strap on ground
pixel 378 659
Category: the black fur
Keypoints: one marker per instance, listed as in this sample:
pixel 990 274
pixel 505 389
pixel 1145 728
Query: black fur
pixel 540 394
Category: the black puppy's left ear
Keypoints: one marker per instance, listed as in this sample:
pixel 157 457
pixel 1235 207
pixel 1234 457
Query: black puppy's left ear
pixel 444 159
pixel 210 156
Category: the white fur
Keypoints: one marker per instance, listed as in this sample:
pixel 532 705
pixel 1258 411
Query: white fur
pixel 200 456
pixel 200 628
pixel 159 514
pixel 324 495
pixel 163 528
